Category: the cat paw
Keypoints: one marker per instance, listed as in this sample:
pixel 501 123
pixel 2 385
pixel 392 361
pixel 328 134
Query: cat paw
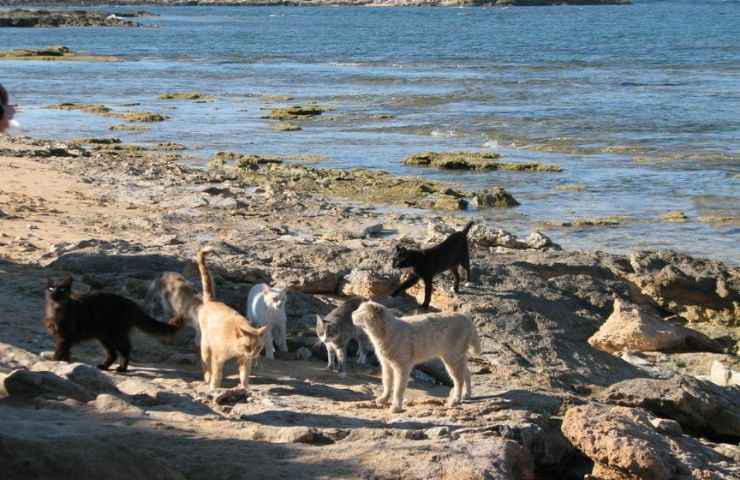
pixel 381 402
pixel 120 369
pixel 103 366
pixel 452 403
pixel 396 409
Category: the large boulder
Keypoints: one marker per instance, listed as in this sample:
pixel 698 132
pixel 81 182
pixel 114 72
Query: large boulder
pixel 638 327
pixel 25 385
pixel 627 443
pixel 702 408
pixel 86 376
pixel 697 289
pixel 490 458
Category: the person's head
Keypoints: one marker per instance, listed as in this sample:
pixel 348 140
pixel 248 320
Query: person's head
pixel 6 110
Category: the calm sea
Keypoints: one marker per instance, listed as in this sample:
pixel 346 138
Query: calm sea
pixel 639 104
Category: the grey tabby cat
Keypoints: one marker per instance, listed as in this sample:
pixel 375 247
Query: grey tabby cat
pixel 336 331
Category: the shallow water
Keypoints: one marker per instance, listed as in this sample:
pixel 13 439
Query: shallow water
pixel 658 83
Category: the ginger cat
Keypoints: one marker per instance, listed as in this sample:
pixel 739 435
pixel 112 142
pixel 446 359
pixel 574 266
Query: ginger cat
pixel 224 334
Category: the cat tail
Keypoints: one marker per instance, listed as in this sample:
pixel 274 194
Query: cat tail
pixel 467 227
pixel 474 342
pixel 147 324
pixel 205 275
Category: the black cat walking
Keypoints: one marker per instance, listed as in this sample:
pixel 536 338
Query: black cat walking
pixel 453 252
pixel 105 317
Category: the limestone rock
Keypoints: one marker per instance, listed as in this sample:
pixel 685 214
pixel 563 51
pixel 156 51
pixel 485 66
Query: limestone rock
pixel 722 375
pixel 696 289
pixel 624 445
pixel 540 241
pixel 368 284
pixel 702 408
pixel 487 236
pixel 489 458
pixel 494 197
pixel 307 281
pixel 634 327
pixel 88 377
pixel 25 384
pixel 12 357
pixel 107 403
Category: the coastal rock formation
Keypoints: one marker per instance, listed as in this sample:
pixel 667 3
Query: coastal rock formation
pixel 473 161
pixel 628 443
pixel 116 216
pixel 53 53
pixel 701 407
pixel 633 327
pixel 698 290
pixel 62 18
pixel 495 197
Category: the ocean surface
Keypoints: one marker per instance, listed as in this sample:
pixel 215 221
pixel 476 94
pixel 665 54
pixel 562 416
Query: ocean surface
pixel 640 104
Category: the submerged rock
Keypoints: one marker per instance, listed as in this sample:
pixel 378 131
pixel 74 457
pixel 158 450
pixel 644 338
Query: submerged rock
pixel 473 161
pixel 53 53
pixel 296 112
pixel 185 96
pixel 494 197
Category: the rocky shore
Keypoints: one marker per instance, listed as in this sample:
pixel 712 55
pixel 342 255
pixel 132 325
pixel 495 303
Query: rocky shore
pixel 23 18
pixel 614 366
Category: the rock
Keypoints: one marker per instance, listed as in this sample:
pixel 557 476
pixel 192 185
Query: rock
pixel 296 112
pixel 311 436
pixel 485 236
pixel 540 241
pixel 624 445
pixel 231 396
pixel 303 353
pixel 368 284
pixel 90 378
pixel 25 384
pixel 307 281
pixel 696 289
pixel 675 217
pixel 722 375
pixel 437 432
pixel 489 458
pixel 286 127
pixel 63 18
pixel 12 357
pixel 702 408
pixel 495 197
pixel 473 161
pixel 666 426
pixel 185 96
pixel 634 327
pixel 372 230
pixel 107 403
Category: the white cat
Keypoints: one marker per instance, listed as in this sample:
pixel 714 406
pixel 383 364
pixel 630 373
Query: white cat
pixel 266 307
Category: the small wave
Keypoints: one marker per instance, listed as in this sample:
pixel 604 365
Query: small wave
pixel 492 144
pixel 444 133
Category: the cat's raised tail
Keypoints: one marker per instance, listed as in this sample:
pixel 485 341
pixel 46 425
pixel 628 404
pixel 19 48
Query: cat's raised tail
pixel 467 228
pixel 205 276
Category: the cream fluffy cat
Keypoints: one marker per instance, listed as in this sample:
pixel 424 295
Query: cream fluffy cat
pixel 225 334
pixel 401 343
pixel 266 307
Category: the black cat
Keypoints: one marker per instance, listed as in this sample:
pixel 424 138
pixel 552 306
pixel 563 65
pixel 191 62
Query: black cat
pixel 450 254
pixel 105 317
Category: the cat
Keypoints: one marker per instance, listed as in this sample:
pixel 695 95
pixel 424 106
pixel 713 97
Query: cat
pixel 105 317
pixel 266 307
pixel 224 334
pixel 450 254
pixel 175 295
pixel 401 343
pixel 336 330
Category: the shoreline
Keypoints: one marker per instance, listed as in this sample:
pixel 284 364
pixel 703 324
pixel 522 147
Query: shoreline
pixel 116 218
